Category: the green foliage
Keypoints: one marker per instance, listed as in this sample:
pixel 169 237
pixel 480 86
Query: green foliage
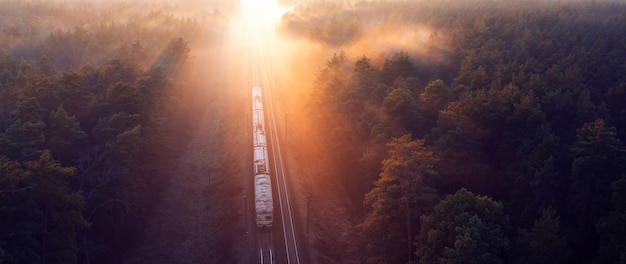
pixel 435 96
pixel 525 104
pixel 335 33
pixel 612 227
pixel 400 196
pixel 81 92
pixel 65 137
pixel 40 213
pixel 464 228
pixel 20 217
pixel 61 208
pixel 365 76
pixel 544 243
pixel 487 130
pixel 27 138
pixel 100 31
pixel 28 109
pixel 174 55
pixel 402 106
pixel 598 161
pixel 71 92
pixel 26 134
pixel 396 66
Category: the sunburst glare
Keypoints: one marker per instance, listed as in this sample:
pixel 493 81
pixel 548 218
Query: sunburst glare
pixel 260 15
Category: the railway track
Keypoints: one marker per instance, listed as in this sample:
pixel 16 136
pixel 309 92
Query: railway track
pixel 279 244
pixel 266 254
pixel 287 221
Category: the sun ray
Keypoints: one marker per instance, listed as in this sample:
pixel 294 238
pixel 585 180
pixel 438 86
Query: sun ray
pixel 260 14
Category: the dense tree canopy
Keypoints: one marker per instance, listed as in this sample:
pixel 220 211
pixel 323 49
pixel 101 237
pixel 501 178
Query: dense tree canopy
pixel 400 196
pixel 82 108
pixel 512 112
pixel 464 228
pixel 544 243
pixel 522 103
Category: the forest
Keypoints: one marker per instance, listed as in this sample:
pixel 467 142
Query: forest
pixel 91 101
pixel 460 131
pixel 494 136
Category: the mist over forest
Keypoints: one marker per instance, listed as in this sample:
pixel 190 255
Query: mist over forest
pixel 92 99
pixel 438 131
pixel 495 128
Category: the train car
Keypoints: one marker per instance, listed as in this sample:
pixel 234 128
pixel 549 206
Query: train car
pixel 261 158
pixel 258 121
pixel 263 202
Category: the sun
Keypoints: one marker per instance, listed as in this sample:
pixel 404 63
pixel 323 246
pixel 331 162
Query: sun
pixel 260 14
pixel 257 4
pixel 255 27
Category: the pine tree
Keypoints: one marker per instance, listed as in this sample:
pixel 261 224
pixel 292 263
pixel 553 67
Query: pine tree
pixel 544 244
pixel 65 136
pixel 612 228
pixel 399 197
pixel 61 208
pixel 464 228
pixel 40 215
pixel 599 159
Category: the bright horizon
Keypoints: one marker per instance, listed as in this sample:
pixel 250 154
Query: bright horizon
pixel 260 15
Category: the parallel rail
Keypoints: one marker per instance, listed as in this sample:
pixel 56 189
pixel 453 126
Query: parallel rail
pixel 289 234
pixel 266 254
pixel 261 77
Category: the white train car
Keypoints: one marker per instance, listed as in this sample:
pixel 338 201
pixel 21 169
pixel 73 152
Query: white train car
pixel 263 202
pixel 261 158
pixel 257 110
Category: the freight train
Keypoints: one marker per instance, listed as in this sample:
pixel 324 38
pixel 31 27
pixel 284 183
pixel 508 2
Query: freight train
pixel 263 203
